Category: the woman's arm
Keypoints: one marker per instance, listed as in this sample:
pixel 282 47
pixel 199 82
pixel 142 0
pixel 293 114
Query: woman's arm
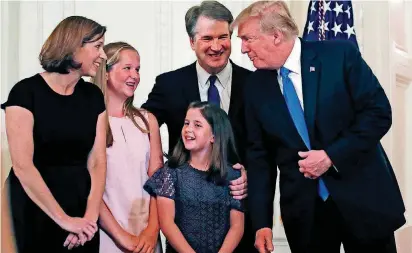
pixel 166 210
pixel 19 126
pixel 96 164
pixel 235 233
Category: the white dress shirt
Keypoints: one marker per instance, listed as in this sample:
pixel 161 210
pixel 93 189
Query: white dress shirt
pixel 293 64
pixel 223 84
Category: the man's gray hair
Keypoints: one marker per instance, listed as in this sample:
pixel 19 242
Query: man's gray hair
pixel 210 9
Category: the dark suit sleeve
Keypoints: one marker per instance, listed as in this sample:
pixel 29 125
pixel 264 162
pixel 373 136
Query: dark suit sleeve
pixel 156 102
pixel 260 170
pixel 372 112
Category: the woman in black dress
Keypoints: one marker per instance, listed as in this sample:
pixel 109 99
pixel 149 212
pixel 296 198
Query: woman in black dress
pixel 56 132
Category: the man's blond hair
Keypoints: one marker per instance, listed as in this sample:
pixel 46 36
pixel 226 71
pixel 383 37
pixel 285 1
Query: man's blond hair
pixel 273 15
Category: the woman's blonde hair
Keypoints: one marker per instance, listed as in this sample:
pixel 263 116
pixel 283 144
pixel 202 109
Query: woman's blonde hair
pixel 273 15
pixel 112 51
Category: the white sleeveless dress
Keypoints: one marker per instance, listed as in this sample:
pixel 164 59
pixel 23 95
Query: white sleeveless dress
pixel 127 167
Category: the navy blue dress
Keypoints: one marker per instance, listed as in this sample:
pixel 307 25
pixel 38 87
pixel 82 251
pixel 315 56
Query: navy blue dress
pixel 63 134
pixel 202 208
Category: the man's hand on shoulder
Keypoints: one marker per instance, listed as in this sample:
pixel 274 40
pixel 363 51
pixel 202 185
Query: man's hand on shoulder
pixel 238 187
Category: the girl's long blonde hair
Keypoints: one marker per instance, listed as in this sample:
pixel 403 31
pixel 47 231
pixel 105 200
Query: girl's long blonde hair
pixel 112 51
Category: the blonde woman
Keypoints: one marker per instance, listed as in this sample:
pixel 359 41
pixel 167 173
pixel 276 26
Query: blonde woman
pixel 128 216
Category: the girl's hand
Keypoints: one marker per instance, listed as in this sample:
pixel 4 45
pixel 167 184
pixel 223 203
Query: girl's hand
pixel 147 241
pixel 128 241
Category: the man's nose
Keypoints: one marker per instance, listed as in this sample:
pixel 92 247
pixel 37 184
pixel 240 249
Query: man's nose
pixel 216 46
pixel 244 48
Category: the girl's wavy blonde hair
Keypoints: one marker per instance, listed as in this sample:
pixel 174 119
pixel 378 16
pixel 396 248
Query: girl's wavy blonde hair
pixel 112 51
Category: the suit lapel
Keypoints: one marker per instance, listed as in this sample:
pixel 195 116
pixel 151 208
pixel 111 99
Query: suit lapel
pixel 236 91
pixel 191 84
pixel 310 81
pixel 277 105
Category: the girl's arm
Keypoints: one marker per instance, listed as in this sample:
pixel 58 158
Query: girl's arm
pixel 156 152
pixel 166 210
pixel 235 233
pixel 155 162
pixel 149 236
pixel 114 230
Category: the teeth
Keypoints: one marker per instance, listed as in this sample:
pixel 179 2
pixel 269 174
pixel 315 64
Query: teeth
pixel 215 55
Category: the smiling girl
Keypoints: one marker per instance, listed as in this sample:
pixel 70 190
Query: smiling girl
pixel 196 210
pixel 128 215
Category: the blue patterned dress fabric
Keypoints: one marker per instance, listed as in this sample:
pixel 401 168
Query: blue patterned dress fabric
pixel 202 208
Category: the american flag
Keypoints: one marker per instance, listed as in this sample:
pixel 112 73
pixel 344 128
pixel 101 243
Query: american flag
pixel 330 20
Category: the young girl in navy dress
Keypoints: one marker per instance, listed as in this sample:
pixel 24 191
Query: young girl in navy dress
pixel 196 211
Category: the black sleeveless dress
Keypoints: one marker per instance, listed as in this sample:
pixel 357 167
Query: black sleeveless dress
pixel 63 133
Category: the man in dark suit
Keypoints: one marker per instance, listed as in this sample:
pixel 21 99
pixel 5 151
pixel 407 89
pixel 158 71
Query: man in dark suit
pixel 316 111
pixel 214 78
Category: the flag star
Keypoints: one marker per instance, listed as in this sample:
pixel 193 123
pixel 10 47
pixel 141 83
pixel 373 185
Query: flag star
pixel 337 29
pixel 326 6
pixel 350 30
pixel 312 7
pixel 310 26
pixel 348 11
pixel 338 8
pixel 325 26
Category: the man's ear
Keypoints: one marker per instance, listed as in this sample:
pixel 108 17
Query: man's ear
pixel 192 43
pixel 277 37
pixel 107 76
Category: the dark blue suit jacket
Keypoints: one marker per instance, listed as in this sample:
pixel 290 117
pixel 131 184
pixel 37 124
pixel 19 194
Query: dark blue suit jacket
pixel 175 90
pixel 347 114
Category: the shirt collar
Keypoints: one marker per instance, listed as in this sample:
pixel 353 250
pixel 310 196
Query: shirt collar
pixel 223 76
pixel 293 61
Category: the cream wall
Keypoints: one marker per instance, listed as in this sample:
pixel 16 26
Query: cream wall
pixel 156 29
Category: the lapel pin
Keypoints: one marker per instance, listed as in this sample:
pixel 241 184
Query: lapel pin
pixel 312 69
